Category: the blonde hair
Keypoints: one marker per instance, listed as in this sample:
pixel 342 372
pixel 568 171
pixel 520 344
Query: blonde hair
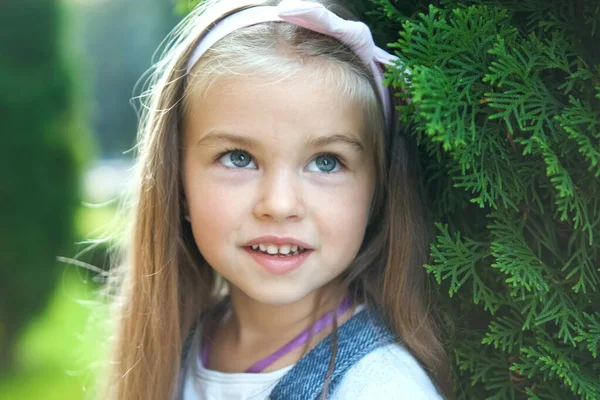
pixel 163 283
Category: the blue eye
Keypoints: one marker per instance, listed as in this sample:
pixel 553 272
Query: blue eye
pixel 237 159
pixel 325 163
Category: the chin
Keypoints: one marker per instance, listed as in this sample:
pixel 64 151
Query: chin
pixel 276 296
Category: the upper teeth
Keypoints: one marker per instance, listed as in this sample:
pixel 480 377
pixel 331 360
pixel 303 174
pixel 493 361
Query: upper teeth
pixel 274 249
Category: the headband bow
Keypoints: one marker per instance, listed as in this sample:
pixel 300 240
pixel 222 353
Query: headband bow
pixel 315 17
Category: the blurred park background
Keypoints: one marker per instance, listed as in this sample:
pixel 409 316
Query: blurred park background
pixel 68 70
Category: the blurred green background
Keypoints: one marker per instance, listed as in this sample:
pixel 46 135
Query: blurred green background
pixel 68 72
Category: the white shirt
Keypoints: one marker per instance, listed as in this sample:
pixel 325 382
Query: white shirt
pixel 388 372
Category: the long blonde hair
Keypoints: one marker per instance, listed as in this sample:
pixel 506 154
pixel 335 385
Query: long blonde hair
pixel 162 282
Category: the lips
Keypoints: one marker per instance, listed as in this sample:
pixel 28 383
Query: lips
pixel 278 255
pixel 277 264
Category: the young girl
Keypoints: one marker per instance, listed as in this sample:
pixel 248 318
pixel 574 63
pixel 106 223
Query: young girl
pixel 277 241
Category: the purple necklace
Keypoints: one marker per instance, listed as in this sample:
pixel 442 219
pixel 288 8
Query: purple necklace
pixel 322 323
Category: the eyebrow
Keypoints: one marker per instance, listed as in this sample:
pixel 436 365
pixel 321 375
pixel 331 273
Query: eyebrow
pixel 350 140
pixel 214 136
pixel 247 142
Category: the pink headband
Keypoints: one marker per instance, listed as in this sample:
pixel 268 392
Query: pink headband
pixel 315 17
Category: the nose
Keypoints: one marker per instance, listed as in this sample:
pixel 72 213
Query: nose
pixel 280 197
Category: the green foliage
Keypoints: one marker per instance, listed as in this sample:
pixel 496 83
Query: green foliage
pixel 183 7
pixel 43 147
pixel 505 106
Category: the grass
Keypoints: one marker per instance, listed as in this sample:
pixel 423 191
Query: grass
pixel 58 350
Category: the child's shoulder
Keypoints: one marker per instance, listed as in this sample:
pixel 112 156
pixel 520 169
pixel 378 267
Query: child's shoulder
pixel 388 372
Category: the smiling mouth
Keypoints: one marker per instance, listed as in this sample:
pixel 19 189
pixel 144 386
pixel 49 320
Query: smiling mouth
pixel 285 250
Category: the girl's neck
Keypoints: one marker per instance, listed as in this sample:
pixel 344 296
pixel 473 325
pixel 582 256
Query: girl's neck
pixel 255 330
pixel 253 322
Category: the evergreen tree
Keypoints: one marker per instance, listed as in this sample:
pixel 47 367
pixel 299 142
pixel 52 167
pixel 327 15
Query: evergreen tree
pixel 505 109
pixel 43 144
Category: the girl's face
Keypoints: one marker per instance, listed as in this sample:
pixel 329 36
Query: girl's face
pixel 278 166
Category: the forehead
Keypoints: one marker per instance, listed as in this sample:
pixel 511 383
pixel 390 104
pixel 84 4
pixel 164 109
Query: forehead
pixel 300 105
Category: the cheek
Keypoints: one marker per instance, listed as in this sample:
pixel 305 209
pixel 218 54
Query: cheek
pixel 215 210
pixel 342 217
